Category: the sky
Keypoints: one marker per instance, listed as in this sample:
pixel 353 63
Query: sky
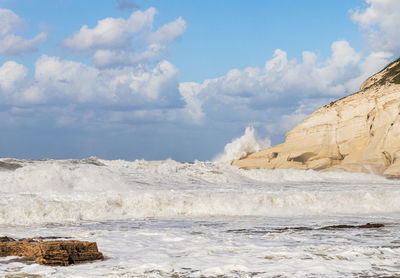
pixel 144 79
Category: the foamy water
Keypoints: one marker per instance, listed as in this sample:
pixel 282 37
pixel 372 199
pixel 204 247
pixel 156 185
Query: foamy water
pixel 202 219
pixel 165 218
pixel 69 191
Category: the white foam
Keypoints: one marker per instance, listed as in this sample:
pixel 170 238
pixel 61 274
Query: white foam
pixel 229 247
pixel 165 218
pixel 67 191
pixel 242 146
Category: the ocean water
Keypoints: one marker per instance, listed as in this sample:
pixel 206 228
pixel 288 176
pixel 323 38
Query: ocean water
pixel 202 219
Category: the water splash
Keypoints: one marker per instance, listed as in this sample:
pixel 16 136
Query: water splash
pixel 243 146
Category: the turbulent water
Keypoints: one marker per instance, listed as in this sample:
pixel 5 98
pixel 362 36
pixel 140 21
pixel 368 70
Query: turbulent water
pixel 171 219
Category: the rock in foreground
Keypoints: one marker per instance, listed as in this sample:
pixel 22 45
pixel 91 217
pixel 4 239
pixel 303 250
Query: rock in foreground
pixel 358 133
pixel 58 252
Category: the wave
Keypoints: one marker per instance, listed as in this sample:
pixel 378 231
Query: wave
pixel 27 209
pixel 59 191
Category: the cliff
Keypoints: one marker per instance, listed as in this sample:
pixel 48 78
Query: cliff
pixel 358 133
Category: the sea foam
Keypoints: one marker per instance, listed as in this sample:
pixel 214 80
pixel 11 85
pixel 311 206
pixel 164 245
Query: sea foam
pixel 61 191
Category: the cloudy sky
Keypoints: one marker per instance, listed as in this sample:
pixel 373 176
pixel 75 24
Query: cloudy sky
pixel 177 79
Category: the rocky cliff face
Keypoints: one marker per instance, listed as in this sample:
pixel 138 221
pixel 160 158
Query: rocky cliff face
pixel 358 133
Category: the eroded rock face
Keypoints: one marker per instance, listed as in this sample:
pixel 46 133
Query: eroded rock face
pixel 359 133
pixel 58 252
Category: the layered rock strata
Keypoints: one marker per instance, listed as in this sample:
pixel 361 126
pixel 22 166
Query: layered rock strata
pixel 58 252
pixel 358 133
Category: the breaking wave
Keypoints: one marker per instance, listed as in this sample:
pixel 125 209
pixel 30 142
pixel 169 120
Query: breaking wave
pixel 60 191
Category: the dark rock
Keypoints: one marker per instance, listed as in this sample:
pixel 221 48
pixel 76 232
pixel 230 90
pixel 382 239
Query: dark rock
pixel 6 239
pixel 365 226
pixel 333 227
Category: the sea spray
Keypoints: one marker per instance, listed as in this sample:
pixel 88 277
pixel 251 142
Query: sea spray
pixel 242 146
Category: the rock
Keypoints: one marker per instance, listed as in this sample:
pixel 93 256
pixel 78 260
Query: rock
pixel 365 226
pixel 358 133
pixel 58 252
pixel 335 227
pixel 259 230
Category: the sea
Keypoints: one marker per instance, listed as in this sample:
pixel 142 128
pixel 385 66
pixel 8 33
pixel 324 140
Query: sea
pixel 202 219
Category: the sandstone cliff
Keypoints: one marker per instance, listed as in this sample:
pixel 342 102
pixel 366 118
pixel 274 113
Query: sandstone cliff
pixel 358 133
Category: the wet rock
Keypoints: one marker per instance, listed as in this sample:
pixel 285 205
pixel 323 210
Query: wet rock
pixel 56 253
pixel 365 226
pixel 334 227
pixel 6 239
pixel 302 228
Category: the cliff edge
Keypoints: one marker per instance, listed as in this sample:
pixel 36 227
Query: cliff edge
pixel 358 133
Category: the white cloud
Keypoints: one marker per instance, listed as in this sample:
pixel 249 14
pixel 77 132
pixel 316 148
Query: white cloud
pixel 106 58
pixel 343 54
pixel 110 33
pixel 189 92
pixel 328 78
pixel 380 21
pixel 16 45
pixel 168 32
pixel 9 22
pixel 125 85
pixel 11 75
pixel 281 84
pixel 57 78
pixel 68 93
pixel 60 82
pixel 11 44
pixel 122 42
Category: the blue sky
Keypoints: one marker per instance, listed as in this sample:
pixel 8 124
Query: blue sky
pixel 177 79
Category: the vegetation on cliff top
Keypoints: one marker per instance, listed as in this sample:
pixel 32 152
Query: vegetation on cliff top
pixel 393 73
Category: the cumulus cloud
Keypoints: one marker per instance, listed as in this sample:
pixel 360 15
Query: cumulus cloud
pixel 62 79
pixel 110 33
pixel 380 21
pixel 129 81
pixel 16 45
pixel 10 44
pixel 107 58
pixel 168 32
pixel 11 75
pixel 60 82
pixel 283 83
pixel 120 42
pixel 190 93
pixel 9 22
